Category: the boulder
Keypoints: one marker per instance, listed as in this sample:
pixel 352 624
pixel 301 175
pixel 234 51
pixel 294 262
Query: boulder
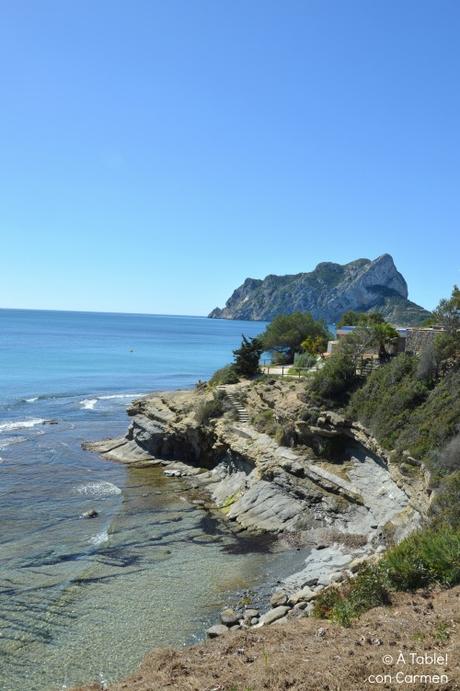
pixel 304 595
pixel 250 613
pixel 278 598
pixel 273 615
pixel 216 630
pixel 229 617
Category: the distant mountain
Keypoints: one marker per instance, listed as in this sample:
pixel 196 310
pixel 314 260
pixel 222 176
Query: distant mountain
pixel 327 292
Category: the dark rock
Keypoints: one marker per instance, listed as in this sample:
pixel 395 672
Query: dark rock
pixel 92 513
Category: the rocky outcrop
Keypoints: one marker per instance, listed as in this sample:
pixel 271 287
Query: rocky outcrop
pixel 327 292
pixel 332 487
pixel 330 472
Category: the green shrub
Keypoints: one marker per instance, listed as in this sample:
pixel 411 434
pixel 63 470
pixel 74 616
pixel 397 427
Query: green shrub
pixel 209 409
pixel 369 589
pixel 225 375
pixel 424 558
pixel 304 360
pixel 433 423
pixel 445 507
pixel 386 401
pixel 335 380
pixel 265 422
pixel 286 333
pixel 428 557
pixel 247 357
pixel 325 603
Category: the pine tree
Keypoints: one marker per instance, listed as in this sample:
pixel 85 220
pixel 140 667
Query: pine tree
pixel 247 357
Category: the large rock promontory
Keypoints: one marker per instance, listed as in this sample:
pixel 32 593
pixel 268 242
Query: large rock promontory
pixel 327 292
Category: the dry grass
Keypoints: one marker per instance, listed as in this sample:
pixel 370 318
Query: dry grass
pixel 351 540
pixel 313 655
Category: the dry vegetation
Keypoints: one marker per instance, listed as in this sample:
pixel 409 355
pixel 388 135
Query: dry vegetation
pixel 312 655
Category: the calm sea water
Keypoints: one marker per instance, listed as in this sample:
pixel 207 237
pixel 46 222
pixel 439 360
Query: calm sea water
pixel 85 599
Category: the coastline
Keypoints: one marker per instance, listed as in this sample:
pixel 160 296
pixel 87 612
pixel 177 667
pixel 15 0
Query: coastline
pixel 311 654
pixel 258 486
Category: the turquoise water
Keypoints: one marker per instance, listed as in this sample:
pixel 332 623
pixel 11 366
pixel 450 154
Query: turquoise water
pixel 85 599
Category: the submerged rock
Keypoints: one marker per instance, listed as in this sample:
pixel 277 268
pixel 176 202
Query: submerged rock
pixel 92 513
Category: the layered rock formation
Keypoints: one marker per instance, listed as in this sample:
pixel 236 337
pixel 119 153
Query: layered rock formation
pixel 327 292
pixel 328 484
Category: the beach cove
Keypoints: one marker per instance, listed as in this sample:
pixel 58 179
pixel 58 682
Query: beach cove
pixel 86 599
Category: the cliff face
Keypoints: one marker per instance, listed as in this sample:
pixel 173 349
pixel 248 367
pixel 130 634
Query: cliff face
pixel 327 292
pixel 330 472
pixel 327 486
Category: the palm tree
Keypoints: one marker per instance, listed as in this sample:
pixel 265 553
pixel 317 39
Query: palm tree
pixel 383 335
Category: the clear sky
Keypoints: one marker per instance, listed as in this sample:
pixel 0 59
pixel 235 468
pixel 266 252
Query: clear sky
pixel 153 154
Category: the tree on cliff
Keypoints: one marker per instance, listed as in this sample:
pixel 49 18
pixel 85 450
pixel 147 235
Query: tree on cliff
pixel 383 335
pixel 352 318
pixel 287 333
pixel 447 313
pixel 247 357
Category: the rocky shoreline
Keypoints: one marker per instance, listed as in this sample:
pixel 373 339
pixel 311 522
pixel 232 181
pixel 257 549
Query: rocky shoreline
pixel 328 484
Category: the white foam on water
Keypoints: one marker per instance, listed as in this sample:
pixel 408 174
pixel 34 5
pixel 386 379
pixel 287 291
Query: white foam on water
pixel 6 441
pixel 88 403
pixel 120 395
pixel 100 538
pixel 99 490
pixel 32 400
pixel 20 424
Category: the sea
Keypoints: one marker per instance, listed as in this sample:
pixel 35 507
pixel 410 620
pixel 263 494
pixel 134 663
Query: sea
pixel 84 600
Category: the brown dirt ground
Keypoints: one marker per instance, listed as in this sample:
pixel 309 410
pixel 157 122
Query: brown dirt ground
pixel 315 655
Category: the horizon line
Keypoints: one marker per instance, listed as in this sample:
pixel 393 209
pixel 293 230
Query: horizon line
pixel 86 311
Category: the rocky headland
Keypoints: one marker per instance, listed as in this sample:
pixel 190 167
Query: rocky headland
pixel 327 292
pixel 325 483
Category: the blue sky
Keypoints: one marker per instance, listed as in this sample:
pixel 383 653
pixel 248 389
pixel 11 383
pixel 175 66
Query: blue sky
pixel 154 154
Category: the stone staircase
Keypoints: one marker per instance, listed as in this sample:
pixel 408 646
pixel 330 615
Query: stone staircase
pixel 243 415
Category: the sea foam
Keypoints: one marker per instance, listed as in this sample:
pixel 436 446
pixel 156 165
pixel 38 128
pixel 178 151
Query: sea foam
pixel 88 403
pixel 99 490
pixel 21 424
pixel 120 395
pixel 100 538
pixel 6 441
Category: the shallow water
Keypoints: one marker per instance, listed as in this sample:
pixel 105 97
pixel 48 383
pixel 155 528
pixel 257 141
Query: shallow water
pixel 85 599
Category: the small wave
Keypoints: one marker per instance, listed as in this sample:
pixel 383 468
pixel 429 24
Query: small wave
pixel 88 403
pixel 32 400
pixel 100 538
pixel 120 395
pixel 99 489
pixel 21 424
pixel 6 441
